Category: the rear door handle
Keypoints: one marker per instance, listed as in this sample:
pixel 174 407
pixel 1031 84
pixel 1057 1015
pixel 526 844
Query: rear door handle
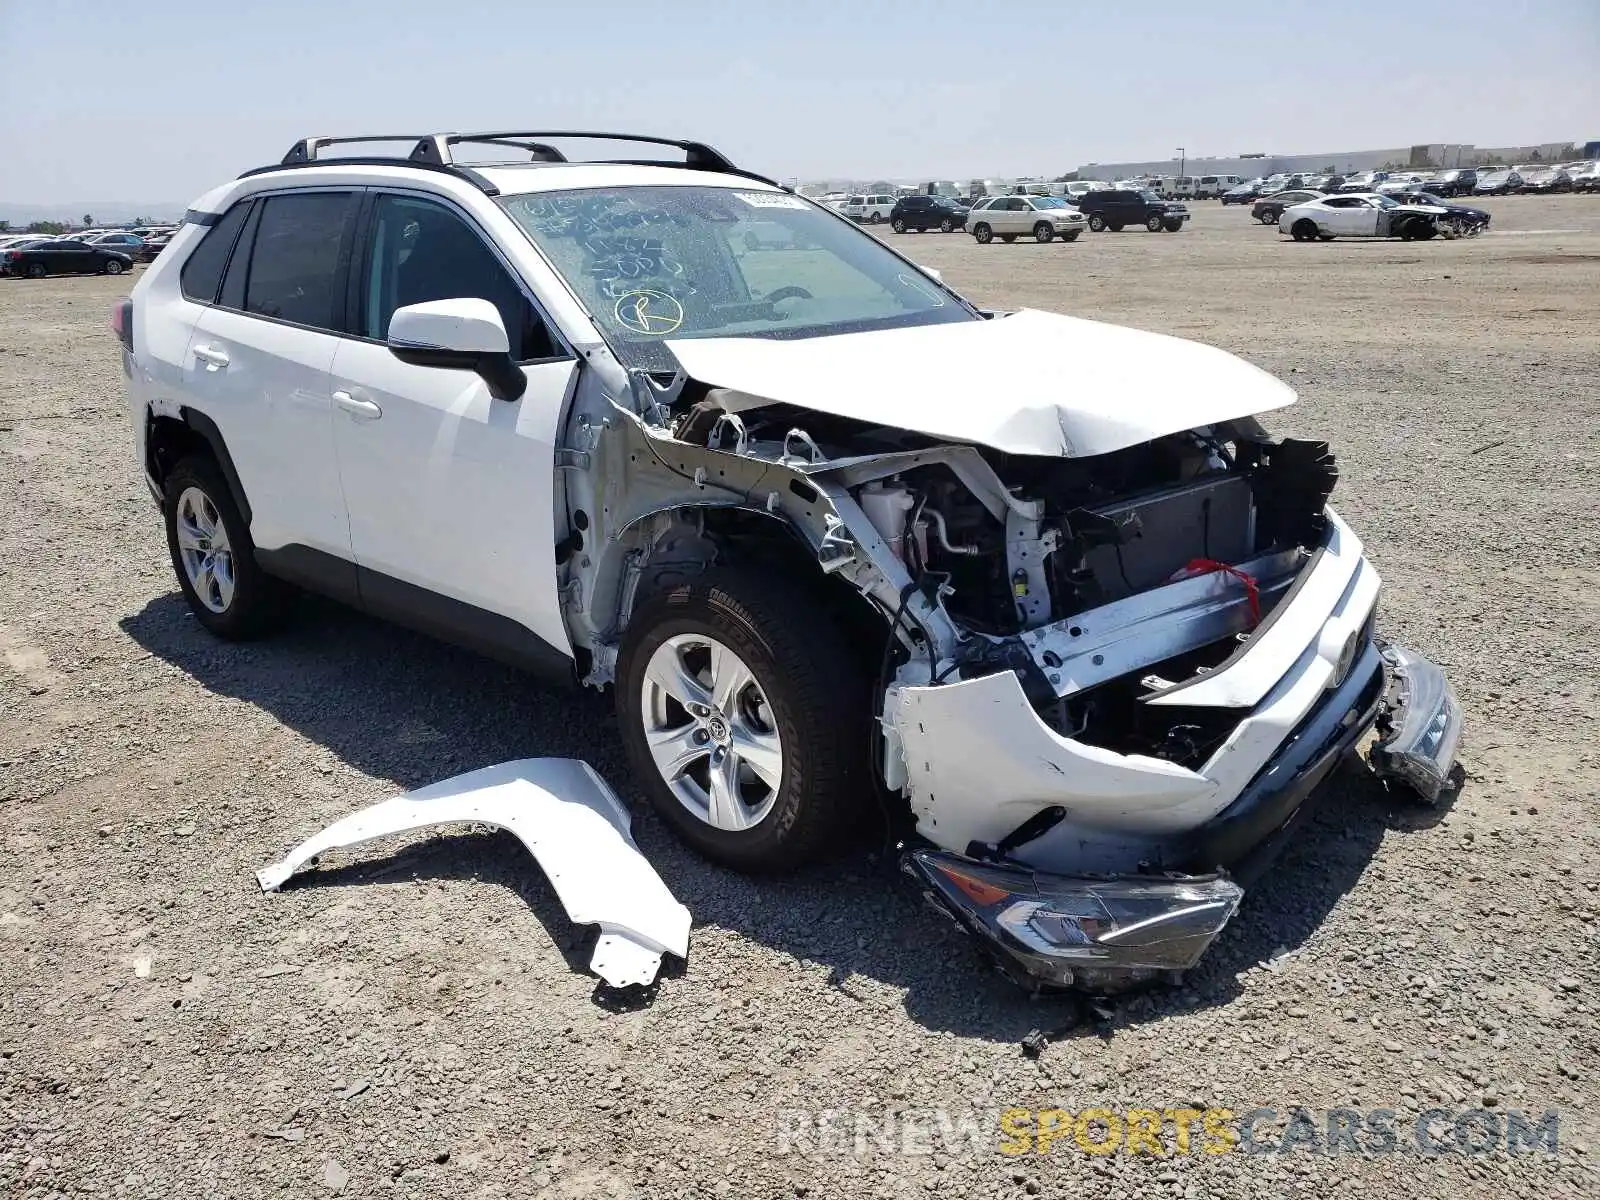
pixel 367 410
pixel 213 357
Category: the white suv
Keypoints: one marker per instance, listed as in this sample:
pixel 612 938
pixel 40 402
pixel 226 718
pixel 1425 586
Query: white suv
pixel 1042 218
pixel 871 209
pixel 791 497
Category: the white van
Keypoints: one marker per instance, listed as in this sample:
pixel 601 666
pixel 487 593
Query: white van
pixel 1210 187
pixel 870 209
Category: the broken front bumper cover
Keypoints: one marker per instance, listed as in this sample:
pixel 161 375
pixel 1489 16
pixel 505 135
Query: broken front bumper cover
pixel 1110 932
pixel 1095 933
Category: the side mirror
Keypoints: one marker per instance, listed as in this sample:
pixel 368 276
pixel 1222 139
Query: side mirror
pixel 464 335
pixel 934 271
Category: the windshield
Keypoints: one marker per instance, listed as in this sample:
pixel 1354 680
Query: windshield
pixel 1050 202
pixel 1386 202
pixel 651 263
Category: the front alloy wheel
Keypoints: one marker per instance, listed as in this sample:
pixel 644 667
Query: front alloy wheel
pixel 744 713
pixel 710 731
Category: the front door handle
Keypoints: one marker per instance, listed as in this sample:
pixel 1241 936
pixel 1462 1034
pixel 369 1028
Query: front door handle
pixel 367 410
pixel 214 358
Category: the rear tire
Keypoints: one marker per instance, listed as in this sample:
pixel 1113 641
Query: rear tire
pixel 813 703
pixel 947 226
pixel 1097 223
pixel 1042 232
pixel 111 267
pixel 37 271
pixel 898 224
pixel 875 218
pixel 1267 218
pixel 241 600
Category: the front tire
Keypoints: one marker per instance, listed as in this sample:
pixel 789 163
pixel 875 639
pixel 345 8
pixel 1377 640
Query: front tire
pixel 1042 232
pixel 213 556
pixel 1154 224
pixel 745 716
pixel 1304 230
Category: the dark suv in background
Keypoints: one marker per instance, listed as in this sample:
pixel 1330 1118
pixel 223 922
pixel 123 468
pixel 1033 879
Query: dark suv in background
pixel 923 213
pixel 1116 208
pixel 1453 183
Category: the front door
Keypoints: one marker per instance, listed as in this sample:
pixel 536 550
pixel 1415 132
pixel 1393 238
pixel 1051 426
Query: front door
pixel 451 492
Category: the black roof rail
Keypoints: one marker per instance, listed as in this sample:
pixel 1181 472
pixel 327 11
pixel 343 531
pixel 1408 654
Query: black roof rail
pixel 475 178
pixel 435 151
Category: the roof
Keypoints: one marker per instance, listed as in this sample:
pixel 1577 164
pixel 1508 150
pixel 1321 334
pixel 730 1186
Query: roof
pixel 514 179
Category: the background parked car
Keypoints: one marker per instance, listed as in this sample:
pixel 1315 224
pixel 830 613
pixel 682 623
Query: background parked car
pixel 1546 181
pixel 1117 209
pixel 1243 194
pixel 923 213
pixel 1497 183
pixel 129 243
pixel 66 257
pixel 1453 183
pixel 1587 180
pixel 1268 209
pixel 870 209
pixel 1044 218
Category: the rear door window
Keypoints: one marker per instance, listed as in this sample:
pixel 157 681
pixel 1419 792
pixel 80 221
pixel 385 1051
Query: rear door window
pixel 202 272
pixel 296 259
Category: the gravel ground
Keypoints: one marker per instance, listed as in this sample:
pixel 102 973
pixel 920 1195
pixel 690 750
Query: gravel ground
pixel 416 1019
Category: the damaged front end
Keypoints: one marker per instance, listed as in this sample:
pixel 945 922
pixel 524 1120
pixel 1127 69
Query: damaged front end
pixel 1120 653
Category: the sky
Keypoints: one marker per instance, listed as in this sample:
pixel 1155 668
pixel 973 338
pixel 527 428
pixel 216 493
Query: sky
pixel 157 100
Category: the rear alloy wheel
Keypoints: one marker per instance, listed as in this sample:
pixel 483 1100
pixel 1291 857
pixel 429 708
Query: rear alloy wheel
pixel 744 717
pixel 1097 223
pixel 1268 218
pixel 213 556
pixel 898 224
pixel 1304 230
pixel 1154 223
pixel 1042 232
pixel 36 271
pixel 112 266
pixel 982 233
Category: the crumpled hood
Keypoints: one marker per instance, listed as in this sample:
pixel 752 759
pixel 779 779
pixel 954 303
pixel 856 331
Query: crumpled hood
pixel 1030 383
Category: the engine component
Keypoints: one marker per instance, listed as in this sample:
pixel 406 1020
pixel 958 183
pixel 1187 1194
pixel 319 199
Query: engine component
pixel 887 506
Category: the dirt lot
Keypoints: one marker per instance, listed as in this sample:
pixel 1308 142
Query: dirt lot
pixel 416 1020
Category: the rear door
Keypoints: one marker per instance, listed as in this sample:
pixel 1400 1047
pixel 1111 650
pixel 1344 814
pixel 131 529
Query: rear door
pixel 451 492
pixel 258 362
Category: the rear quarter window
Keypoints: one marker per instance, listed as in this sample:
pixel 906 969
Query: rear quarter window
pixel 201 275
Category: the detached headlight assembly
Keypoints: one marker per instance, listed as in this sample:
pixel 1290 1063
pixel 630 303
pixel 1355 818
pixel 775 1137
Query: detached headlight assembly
pixel 1067 929
pixel 1420 727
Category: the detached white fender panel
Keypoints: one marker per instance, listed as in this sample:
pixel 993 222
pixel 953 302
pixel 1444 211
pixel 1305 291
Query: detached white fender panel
pixel 573 825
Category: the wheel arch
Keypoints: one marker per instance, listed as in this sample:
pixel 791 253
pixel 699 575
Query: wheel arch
pixel 169 439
